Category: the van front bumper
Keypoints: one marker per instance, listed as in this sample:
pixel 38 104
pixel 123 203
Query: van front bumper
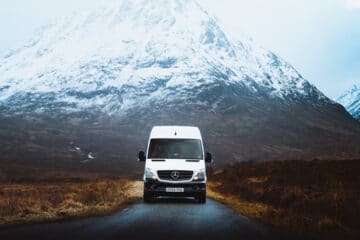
pixel 157 188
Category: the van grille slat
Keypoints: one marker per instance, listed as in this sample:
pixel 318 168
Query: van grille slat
pixel 182 175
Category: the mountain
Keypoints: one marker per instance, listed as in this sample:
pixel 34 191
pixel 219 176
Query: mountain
pixel 351 101
pixel 96 60
pixel 98 81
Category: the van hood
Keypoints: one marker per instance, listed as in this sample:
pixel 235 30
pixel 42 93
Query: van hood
pixel 175 164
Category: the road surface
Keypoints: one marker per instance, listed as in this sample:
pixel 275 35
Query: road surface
pixel 169 219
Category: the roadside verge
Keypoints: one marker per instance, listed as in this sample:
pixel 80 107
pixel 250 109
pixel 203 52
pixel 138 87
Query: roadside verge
pixel 43 201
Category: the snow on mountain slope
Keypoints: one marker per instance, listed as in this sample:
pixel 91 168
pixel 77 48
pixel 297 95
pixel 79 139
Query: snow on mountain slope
pixel 351 101
pixel 133 53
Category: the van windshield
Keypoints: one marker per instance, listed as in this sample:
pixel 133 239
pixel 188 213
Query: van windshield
pixel 175 149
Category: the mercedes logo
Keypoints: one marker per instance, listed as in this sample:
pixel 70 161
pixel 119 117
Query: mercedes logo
pixel 175 175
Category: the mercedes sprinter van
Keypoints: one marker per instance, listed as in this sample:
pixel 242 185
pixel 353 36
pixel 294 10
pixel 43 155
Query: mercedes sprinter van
pixel 175 163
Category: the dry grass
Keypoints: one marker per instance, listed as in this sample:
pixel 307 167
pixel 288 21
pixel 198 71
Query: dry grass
pixel 55 200
pixel 320 199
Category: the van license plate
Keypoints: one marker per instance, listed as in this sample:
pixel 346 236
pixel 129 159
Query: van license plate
pixel 174 190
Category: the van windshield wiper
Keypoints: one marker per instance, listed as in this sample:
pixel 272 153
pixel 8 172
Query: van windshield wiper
pixel 158 160
pixel 177 156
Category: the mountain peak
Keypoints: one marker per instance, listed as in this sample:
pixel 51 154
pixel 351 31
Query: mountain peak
pixel 351 101
pixel 113 57
pixel 355 88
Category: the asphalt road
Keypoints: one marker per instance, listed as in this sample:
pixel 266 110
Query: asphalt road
pixel 166 219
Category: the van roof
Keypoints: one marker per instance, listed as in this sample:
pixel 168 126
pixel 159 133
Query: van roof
pixel 175 132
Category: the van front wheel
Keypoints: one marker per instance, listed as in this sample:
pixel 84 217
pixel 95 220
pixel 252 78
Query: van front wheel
pixel 147 197
pixel 202 197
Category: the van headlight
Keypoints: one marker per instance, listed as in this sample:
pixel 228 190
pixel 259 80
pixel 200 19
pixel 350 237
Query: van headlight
pixel 150 173
pixel 200 175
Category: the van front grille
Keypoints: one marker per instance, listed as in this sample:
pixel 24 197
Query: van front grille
pixel 175 175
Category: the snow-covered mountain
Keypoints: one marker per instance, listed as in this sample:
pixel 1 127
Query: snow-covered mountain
pixel 351 101
pixel 136 53
pixel 102 79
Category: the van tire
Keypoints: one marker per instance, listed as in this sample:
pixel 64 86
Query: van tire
pixel 202 198
pixel 148 198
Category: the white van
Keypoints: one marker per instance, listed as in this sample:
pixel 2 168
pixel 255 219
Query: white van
pixel 175 163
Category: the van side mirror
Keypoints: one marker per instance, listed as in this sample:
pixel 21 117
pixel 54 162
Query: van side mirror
pixel 208 157
pixel 142 156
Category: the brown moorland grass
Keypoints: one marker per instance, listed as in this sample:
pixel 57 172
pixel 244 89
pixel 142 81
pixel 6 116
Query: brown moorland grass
pixel 61 199
pixel 317 199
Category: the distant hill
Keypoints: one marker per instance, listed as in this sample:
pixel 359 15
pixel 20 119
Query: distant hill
pixel 351 101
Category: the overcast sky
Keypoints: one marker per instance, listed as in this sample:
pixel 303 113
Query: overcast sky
pixel 320 38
